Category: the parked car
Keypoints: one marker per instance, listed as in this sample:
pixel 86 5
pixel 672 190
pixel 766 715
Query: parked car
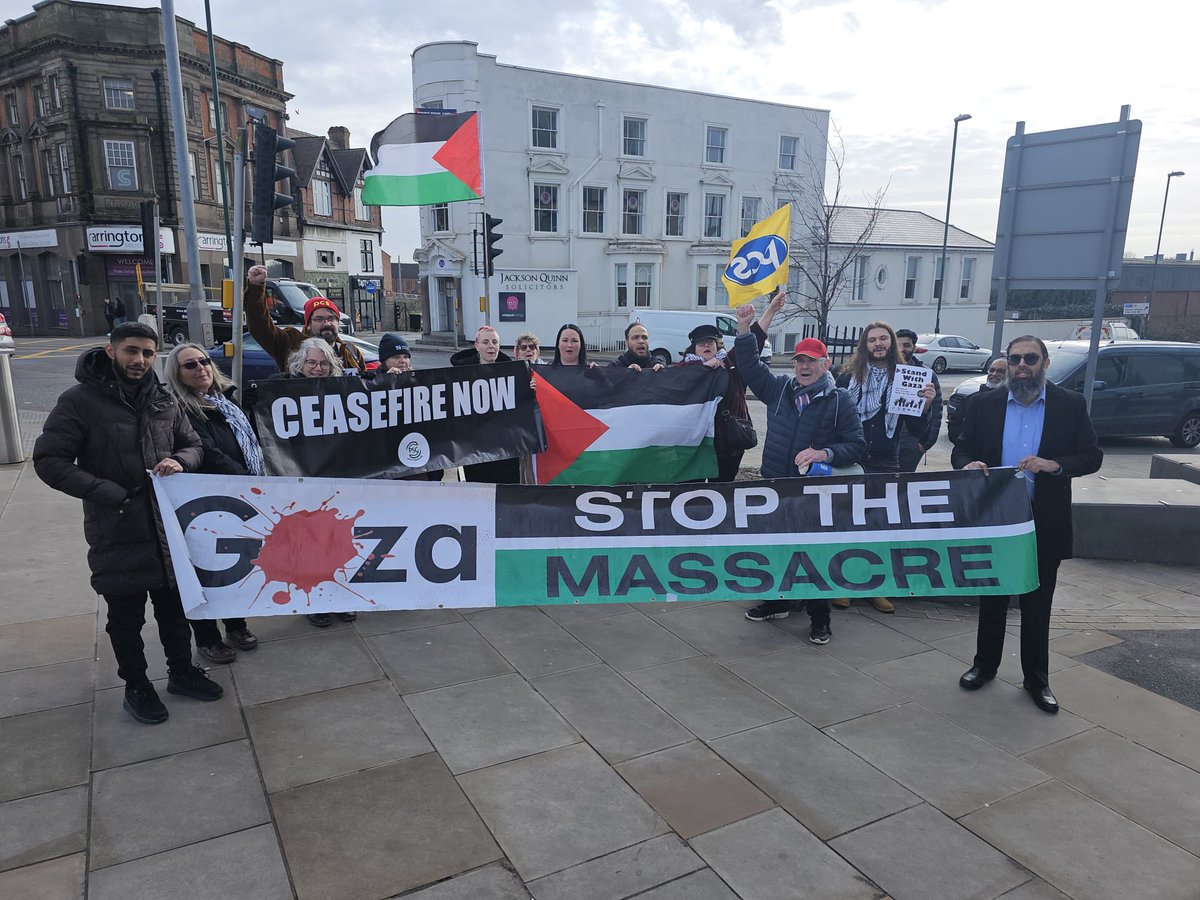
pixel 259 365
pixel 6 338
pixel 1141 389
pixel 286 299
pixel 943 352
pixel 175 322
pixel 1109 331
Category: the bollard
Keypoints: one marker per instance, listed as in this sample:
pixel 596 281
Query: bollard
pixel 11 448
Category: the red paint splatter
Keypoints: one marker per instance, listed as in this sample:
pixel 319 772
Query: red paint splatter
pixel 283 598
pixel 308 548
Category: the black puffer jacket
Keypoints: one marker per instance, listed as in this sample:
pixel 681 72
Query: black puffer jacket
pixel 222 453
pixel 629 358
pixel 97 445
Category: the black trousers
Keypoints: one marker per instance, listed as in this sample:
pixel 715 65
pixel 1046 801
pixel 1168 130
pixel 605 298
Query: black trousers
pixel 127 615
pixel 1035 628
pixel 728 466
pixel 207 633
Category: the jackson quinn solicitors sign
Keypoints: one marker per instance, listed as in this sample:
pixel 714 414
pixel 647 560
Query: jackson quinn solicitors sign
pixel 263 546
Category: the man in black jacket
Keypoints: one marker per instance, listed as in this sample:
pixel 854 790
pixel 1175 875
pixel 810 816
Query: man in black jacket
pixel 913 447
pixel 637 350
pixel 97 444
pixel 1044 432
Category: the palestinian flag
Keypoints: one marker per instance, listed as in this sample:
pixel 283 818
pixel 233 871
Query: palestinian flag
pixel 613 426
pixel 424 158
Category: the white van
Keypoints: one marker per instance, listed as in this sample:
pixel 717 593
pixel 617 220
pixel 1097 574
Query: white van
pixel 669 330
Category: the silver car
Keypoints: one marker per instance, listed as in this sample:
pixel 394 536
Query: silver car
pixel 943 352
pixel 6 338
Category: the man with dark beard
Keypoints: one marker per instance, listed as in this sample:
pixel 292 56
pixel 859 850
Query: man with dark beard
pixel 637 350
pixel 912 446
pixel 98 443
pixel 1044 431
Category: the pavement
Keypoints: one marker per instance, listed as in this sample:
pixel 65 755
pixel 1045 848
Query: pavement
pixel 609 751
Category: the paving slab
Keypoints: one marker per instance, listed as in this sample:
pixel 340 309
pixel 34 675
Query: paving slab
pixel 998 712
pixel 921 854
pixel 60 879
pixel 46 687
pixel 693 788
pixel 247 864
pixel 490 721
pixel 156 661
pixel 931 756
pixel 320 662
pixel 827 788
pixel 722 631
pixel 564 613
pixel 42 827
pixel 798 861
pixel 923 628
pixel 533 805
pixel 817 687
pixel 1127 778
pixel 25 560
pixel 1085 849
pixel 45 514
pixel 380 832
pixel 1080 642
pixel 630 641
pixel 44 641
pixel 44 751
pixel 702 885
pixel 621 874
pixel 617 719
pixel 316 736
pixel 1152 721
pixel 493 882
pixel 962 647
pixel 161 804
pixel 1035 889
pixel 708 700
pixel 533 643
pixel 389 620
pixel 280 628
pixel 858 640
pixel 437 656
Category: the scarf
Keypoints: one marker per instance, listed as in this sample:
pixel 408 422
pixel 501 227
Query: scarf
pixel 805 395
pixel 242 432
pixel 869 398
pixel 694 358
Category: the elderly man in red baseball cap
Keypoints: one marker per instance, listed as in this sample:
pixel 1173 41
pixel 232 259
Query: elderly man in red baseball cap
pixel 322 318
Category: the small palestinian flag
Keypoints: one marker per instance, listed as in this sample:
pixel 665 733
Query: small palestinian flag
pixel 424 158
pixel 614 426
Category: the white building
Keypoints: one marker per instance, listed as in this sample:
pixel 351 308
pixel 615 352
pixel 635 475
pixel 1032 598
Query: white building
pixel 614 195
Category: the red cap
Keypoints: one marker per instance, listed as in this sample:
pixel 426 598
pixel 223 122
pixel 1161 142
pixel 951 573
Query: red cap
pixel 811 347
pixel 319 303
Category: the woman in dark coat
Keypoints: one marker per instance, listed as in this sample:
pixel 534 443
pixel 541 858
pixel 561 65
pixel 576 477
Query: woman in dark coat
pixel 230 448
pixel 705 350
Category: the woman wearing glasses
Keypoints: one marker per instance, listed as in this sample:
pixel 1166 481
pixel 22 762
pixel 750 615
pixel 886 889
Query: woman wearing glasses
pixel 230 448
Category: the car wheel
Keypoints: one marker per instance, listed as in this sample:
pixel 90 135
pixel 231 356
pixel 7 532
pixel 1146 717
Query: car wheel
pixel 177 335
pixel 1187 434
pixel 939 365
pixel 661 357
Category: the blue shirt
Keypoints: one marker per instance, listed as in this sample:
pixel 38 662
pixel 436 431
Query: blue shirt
pixel 1023 433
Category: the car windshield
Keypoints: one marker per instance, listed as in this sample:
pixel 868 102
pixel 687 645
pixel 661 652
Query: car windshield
pixel 1064 361
pixel 294 295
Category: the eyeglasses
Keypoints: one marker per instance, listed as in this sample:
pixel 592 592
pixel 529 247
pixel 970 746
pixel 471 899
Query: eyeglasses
pixel 322 320
pixel 317 364
pixel 1031 359
pixel 192 364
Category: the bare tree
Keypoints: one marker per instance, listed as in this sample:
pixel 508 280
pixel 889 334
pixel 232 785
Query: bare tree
pixel 828 236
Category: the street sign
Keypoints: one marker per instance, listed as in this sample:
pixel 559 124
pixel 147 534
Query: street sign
pixel 1136 309
pixel 370 287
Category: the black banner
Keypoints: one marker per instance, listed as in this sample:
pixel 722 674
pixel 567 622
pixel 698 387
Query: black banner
pixel 397 425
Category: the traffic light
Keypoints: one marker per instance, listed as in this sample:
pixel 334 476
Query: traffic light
pixel 148 216
pixel 491 238
pixel 267 145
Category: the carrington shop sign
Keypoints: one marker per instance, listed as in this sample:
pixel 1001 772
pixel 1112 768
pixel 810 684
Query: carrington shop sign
pixel 125 239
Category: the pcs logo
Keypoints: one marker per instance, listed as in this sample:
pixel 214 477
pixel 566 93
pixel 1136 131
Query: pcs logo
pixel 757 259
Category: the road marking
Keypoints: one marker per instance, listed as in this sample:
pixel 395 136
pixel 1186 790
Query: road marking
pixel 43 353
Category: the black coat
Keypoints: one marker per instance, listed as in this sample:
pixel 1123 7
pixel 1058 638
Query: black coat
pixel 1068 438
pixel 97 445
pixel 222 453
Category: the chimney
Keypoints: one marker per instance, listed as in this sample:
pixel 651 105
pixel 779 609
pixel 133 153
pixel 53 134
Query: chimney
pixel 339 136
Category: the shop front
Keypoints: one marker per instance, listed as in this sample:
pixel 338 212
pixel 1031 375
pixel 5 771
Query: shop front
pixel 39 284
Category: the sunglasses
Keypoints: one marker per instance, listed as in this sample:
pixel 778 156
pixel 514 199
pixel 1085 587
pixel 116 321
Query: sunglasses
pixel 195 363
pixel 1031 359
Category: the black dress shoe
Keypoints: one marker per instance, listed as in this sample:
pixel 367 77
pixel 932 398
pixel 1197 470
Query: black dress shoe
pixel 975 678
pixel 1044 699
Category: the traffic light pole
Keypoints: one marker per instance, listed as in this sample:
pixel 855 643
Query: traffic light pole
pixel 235 256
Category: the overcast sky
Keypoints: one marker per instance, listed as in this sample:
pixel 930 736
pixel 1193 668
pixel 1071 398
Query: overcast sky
pixel 893 73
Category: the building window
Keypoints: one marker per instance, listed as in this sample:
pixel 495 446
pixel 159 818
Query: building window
pixel 788 146
pixel 714 215
pixel 10 105
pixel 188 111
pixel 750 213
pixel 64 168
pixel 862 271
pixel 545 127
pixel 122 165
pixel 118 93
pixel 593 210
pixel 633 209
pixel 360 210
pixel 367 248
pixel 714 145
pixel 50 166
pixel 622 272
pixel 643 283
pixel 218 186
pixel 676 214
pixel 635 136
pixel 213 121
pixel 16 164
pixel 192 175
pixel 39 102
pixel 912 269
pixel 432 104
pixel 968 275
pixel 325 259
pixel 441 216
pixel 702 285
pixel 545 208
pixel 322 198
pixel 937 278
pixel 55 92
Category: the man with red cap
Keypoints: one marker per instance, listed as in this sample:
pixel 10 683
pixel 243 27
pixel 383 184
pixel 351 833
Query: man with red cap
pixel 322 318
pixel 809 420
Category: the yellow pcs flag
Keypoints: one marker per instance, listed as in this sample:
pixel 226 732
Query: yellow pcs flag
pixel 758 263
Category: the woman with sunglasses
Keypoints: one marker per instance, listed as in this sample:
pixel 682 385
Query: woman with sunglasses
pixel 230 448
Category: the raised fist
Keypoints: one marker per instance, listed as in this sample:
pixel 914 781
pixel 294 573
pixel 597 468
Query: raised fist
pixel 257 275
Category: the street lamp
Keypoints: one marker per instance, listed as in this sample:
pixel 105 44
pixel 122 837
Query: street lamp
pixel 937 322
pixel 1158 246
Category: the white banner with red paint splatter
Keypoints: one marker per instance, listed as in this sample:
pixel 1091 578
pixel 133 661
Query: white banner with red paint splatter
pixel 245 546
